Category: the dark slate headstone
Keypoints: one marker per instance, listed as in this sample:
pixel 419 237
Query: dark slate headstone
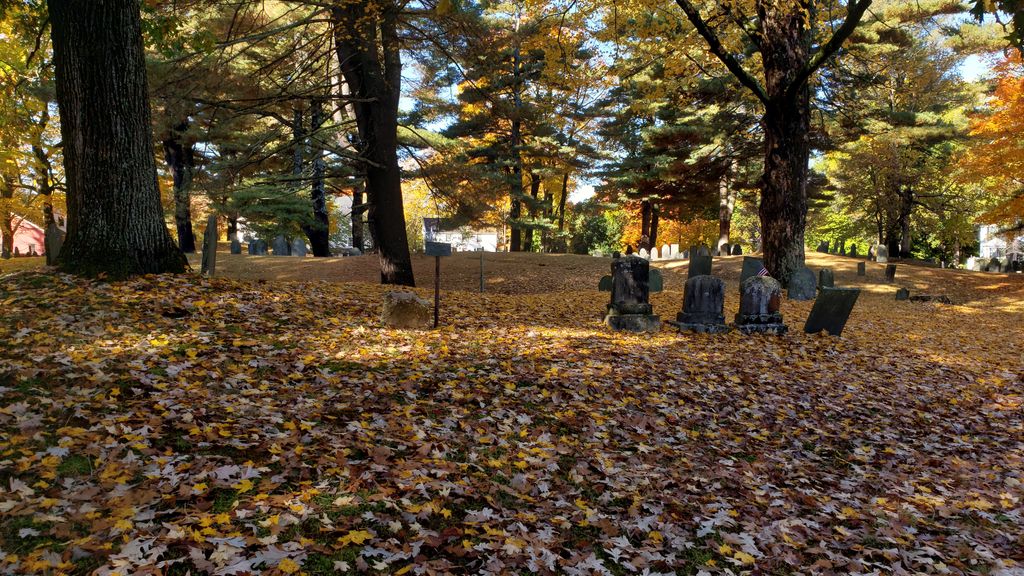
pixel 700 264
pixel 630 309
pixel 826 278
pixel 686 254
pixel 831 310
pixel 902 294
pixel 281 246
pixel 251 248
pixel 737 250
pixel 703 306
pixel 862 269
pixel 53 241
pixel 605 284
pixel 656 282
pixel 853 251
pixel 823 247
pixel 751 267
pixel 209 262
pixel 760 300
pixel 842 249
pixel 298 247
pixel 802 284
pixel 236 246
pixel 261 247
pixel 17 252
pixel 890 273
pixel 881 254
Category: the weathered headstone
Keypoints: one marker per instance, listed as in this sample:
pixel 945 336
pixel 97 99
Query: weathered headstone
pixel 831 310
pixel 236 246
pixel 854 251
pixel 890 273
pixel 645 254
pixel 666 252
pixel 605 284
pixel 751 267
pixel 261 247
pixel 656 282
pixel 53 241
pixel 700 265
pixel 209 262
pixel 903 294
pixel 760 300
pixel 299 247
pixel 17 252
pixel 405 310
pixel 673 250
pixel 826 278
pixel 703 306
pixel 737 250
pixel 994 265
pixel 630 309
pixel 842 249
pixel 802 284
pixel 725 249
pixel 881 254
pixel 823 247
pixel 862 269
pixel 281 246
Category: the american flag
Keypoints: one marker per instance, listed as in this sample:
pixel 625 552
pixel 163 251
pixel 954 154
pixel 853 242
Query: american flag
pixel 763 271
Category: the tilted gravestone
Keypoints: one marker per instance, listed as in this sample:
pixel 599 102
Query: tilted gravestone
pixel 881 254
pixel 760 300
pixel 703 306
pixel 630 309
pixel 737 250
pixel 209 263
pixel 700 263
pixel 826 278
pixel 802 284
pixel 281 246
pixel 236 246
pixel 53 241
pixel 751 267
pixel 890 273
pixel 902 294
pixel 831 310
pixel 299 247
pixel 862 269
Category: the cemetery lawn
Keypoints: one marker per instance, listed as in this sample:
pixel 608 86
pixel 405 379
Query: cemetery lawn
pixel 173 424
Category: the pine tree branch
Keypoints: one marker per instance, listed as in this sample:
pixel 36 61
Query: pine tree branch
pixel 854 12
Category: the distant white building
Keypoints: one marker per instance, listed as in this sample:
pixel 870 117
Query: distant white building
pixel 462 238
pixel 992 244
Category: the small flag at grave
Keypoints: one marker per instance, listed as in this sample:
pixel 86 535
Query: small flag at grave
pixel 763 271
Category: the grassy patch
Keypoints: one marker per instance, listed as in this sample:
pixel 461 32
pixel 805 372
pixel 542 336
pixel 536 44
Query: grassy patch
pixel 75 465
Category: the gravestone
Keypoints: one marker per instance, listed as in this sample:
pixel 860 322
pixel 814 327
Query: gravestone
pixel 53 241
pixel 702 250
pixel 703 306
pixel 251 248
pixel 881 254
pixel 842 249
pixel 630 309
pixel 351 251
pixel 751 267
pixel 17 252
pixel 862 269
pixel 405 310
pixel 823 247
pixel 890 273
pixel 236 246
pixel 831 310
pixel 605 284
pixel 656 282
pixel 853 251
pixel 826 278
pixel 261 247
pixel 666 252
pixel 673 250
pixel 725 249
pixel 700 265
pixel 209 262
pixel 686 254
pixel 994 265
pixel 802 284
pixel 299 247
pixel 281 246
pixel 645 254
pixel 902 294
pixel 760 299
pixel 737 250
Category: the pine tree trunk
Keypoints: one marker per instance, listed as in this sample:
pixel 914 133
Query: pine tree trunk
pixel 645 226
pixel 358 209
pixel 366 38
pixel 531 209
pixel 562 201
pixel 180 160
pixel 655 220
pixel 319 232
pixel 726 205
pixel 115 220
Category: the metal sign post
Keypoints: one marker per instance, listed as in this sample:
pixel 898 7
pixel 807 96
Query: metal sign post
pixel 437 250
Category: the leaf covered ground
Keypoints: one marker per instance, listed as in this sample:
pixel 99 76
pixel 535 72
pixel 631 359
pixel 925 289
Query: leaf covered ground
pixel 182 425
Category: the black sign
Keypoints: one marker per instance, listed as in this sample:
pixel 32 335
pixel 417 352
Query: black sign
pixel 438 249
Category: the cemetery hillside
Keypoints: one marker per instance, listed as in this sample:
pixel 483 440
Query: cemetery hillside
pixel 581 287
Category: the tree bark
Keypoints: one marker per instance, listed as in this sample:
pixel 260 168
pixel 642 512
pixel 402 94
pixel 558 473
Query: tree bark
pixel 7 183
pixel 44 169
pixel 726 205
pixel 562 201
pixel 655 220
pixel 318 232
pixel 366 39
pixel 531 209
pixel 645 226
pixel 115 220
pixel 180 160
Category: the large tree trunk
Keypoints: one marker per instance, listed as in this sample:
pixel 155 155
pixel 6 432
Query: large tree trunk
pixel 7 184
pixel 532 211
pixel 645 226
pixel 655 220
pixel 115 220
pixel 366 38
pixel 358 209
pixel 516 211
pixel 319 232
pixel 562 201
pixel 726 205
pixel 906 211
pixel 180 159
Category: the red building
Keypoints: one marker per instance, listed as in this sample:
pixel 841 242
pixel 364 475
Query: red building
pixel 28 239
